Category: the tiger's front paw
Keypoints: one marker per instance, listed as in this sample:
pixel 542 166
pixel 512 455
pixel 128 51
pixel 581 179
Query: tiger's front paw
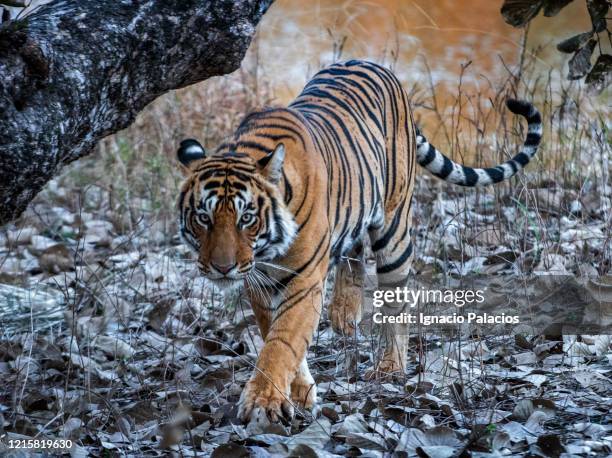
pixel 304 391
pixel 262 394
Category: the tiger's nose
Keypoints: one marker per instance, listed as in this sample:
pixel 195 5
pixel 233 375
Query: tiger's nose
pixel 223 268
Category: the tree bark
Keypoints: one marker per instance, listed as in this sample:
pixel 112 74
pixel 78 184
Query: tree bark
pixel 73 72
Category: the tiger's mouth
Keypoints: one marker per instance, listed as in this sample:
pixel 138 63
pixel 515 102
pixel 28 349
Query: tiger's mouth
pixel 226 283
pixel 221 277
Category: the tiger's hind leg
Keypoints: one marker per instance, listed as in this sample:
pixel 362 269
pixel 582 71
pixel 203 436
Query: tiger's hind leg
pixel 345 307
pixel 393 249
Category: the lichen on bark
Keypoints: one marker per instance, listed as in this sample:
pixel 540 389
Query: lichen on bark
pixel 72 73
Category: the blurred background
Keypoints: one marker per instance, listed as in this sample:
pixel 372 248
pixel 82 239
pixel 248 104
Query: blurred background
pixel 296 39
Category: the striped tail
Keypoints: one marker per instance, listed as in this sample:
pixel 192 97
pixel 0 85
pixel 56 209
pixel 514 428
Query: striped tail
pixel 442 167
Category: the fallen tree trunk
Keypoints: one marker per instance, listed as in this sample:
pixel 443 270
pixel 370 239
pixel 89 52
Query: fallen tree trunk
pixel 74 72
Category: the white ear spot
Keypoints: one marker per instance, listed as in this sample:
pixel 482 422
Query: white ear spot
pixel 190 150
pixel 193 149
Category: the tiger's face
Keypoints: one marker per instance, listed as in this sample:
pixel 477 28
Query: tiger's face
pixel 232 213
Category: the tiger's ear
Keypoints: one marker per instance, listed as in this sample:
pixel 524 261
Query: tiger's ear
pixel 271 166
pixel 190 150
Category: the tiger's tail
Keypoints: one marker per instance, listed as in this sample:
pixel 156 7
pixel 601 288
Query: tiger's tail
pixel 442 167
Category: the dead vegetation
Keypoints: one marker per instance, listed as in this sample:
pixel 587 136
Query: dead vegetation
pixel 109 337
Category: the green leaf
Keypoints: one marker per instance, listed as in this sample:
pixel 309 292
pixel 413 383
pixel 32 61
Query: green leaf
pixel 600 75
pixel 552 7
pixel 580 64
pixel 517 13
pixel 598 10
pixel 574 43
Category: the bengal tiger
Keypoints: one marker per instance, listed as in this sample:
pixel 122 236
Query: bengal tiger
pixel 294 191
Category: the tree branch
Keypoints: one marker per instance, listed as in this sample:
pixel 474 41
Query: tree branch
pixel 72 73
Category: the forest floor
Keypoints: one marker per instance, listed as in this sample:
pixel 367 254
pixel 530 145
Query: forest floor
pixel 111 339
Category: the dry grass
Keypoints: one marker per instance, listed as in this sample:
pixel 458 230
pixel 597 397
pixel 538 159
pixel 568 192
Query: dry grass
pixel 133 176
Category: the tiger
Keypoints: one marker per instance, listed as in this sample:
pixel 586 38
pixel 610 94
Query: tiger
pixel 292 194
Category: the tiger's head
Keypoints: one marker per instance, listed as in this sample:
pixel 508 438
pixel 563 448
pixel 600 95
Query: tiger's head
pixel 232 213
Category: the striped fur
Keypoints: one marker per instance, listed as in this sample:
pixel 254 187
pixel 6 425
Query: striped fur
pixel 294 192
pixel 442 167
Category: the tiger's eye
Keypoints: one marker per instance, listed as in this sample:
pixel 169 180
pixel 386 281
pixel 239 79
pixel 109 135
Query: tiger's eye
pixel 246 218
